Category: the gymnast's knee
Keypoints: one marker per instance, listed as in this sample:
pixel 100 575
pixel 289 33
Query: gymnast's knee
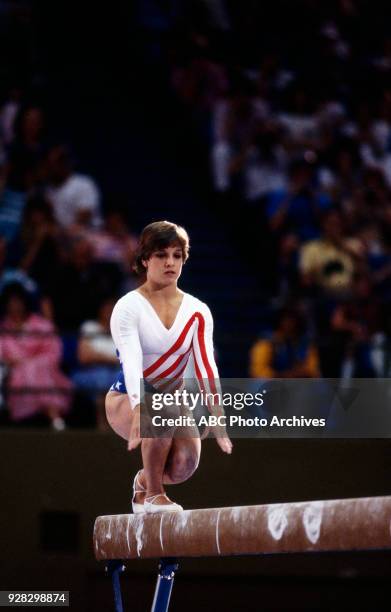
pixel 182 465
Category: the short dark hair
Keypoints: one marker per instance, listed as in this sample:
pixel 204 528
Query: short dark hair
pixel 160 235
pixel 16 290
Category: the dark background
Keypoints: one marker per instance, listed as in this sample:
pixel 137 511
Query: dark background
pixel 100 73
pixel 54 487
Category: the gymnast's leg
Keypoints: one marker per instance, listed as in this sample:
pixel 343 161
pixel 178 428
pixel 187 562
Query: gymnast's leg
pixel 166 460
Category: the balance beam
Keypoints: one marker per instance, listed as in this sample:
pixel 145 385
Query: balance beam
pixel 327 525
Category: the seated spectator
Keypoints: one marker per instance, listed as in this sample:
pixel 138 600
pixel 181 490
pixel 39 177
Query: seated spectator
pixel 22 170
pixel 75 198
pixel 36 250
pixel 287 354
pixel 265 163
pixel 28 131
pixel 287 281
pixel 98 359
pixel 235 122
pixel 237 114
pixel 82 285
pixel 379 261
pixel 355 325
pixel 31 351
pixel 340 172
pixel 297 208
pixel 117 244
pixel 10 275
pixel 9 112
pixel 197 78
pixel 259 166
pixel 299 121
pixel 327 264
pixel 16 179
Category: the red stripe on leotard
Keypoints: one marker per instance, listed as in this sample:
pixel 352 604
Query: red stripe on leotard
pixel 171 350
pixel 172 367
pixel 167 383
pixel 204 356
pixel 178 343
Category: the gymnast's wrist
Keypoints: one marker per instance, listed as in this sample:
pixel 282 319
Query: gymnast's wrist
pixel 217 411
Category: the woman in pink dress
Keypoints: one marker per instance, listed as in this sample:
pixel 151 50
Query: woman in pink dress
pixel 31 351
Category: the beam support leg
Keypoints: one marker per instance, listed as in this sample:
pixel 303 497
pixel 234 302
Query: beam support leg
pixel 114 568
pixel 164 584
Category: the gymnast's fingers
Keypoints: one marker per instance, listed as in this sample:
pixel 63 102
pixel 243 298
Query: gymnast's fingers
pixel 134 436
pixel 225 444
pixel 205 433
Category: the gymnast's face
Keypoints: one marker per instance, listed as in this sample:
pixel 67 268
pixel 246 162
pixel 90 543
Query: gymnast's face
pixel 165 265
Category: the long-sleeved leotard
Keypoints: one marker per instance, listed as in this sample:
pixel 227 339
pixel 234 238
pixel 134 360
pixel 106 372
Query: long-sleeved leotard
pixel 148 350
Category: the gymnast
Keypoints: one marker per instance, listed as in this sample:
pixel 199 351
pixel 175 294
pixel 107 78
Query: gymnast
pixel 157 329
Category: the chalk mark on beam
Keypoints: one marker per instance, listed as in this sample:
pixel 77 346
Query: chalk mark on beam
pixel 217 532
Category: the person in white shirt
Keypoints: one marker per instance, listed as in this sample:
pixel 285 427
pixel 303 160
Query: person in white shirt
pixel 98 361
pixel 157 329
pixel 75 198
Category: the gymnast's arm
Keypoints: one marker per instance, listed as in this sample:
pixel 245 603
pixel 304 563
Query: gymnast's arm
pixel 207 373
pixel 124 330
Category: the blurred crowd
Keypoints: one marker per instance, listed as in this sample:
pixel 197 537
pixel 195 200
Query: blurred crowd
pixel 293 103
pixel 64 261
pixel 291 106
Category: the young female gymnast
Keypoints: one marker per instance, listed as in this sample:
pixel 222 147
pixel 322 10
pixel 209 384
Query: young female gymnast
pixel 156 329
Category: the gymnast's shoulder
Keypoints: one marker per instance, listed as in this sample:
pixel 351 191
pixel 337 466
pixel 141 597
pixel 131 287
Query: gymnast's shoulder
pixel 197 305
pixel 131 302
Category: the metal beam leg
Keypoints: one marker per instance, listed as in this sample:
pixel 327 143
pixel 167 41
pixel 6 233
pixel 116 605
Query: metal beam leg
pixel 164 584
pixel 114 568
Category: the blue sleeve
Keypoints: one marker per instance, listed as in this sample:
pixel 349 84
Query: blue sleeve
pixel 274 202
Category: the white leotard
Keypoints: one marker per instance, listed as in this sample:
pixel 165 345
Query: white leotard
pixel 148 350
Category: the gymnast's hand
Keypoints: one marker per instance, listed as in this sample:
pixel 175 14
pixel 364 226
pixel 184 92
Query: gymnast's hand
pixel 134 434
pixel 221 438
pixel 224 442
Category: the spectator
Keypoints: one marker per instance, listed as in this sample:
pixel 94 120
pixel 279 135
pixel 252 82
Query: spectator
pixel 10 275
pixel 341 173
pixel 379 261
pixel 234 123
pixel 260 164
pixel 198 80
pixel 8 114
pixel 28 134
pixel 287 354
pixel 82 285
pixel 98 359
pixel 37 248
pixel 75 198
pixel 21 172
pixel 115 243
pixel 354 327
pixel 299 207
pixel 327 264
pixel 31 350
pixel 299 122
